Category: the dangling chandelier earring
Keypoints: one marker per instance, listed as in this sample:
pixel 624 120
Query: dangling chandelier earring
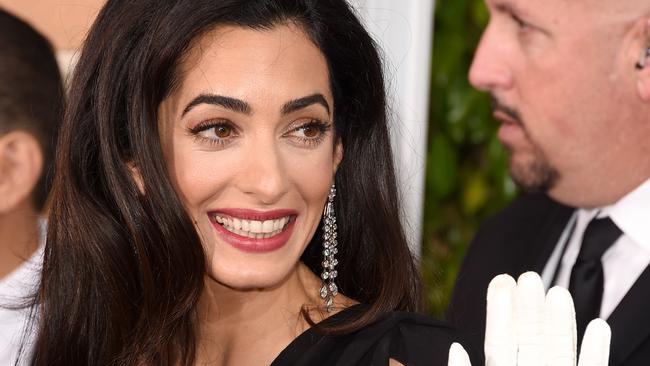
pixel 329 290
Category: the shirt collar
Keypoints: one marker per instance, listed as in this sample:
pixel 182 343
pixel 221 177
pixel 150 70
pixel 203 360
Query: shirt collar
pixel 632 214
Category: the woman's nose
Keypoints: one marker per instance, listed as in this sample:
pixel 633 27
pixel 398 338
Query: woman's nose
pixel 264 174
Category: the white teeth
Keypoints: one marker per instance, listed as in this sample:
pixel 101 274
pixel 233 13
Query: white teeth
pixel 253 228
pixel 256 226
pixel 279 224
pixel 267 226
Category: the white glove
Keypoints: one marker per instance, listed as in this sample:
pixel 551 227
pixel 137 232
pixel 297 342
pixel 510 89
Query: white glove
pixel 526 328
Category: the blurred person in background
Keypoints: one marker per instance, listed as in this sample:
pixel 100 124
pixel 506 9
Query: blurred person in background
pixel 570 82
pixel 30 109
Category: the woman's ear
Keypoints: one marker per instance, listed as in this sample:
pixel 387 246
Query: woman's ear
pixel 21 165
pixel 338 154
pixel 137 177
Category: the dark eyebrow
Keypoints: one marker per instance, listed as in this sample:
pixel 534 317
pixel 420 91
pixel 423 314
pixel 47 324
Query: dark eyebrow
pixel 304 102
pixel 233 104
pixel 238 105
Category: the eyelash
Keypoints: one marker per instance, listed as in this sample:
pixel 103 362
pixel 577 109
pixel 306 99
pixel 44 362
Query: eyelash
pixel 520 23
pixel 321 127
pixel 207 125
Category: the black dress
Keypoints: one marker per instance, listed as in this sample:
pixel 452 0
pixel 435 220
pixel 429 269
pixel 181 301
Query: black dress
pixel 412 339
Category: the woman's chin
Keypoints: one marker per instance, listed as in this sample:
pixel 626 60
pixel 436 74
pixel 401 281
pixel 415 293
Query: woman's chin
pixel 247 280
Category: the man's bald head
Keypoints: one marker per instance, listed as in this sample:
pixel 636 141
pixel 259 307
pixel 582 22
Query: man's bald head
pixel 573 106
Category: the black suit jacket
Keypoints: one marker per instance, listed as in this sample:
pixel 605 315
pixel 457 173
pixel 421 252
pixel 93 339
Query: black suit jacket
pixel 521 238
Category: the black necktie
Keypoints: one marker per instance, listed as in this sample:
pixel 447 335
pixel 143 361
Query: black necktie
pixel 587 279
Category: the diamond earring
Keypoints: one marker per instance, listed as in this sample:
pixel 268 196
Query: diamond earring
pixel 329 290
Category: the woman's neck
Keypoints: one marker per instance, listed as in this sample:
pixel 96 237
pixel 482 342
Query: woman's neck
pixel 252 327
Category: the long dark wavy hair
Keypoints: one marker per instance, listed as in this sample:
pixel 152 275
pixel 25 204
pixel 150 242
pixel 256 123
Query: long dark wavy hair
pixel 123 271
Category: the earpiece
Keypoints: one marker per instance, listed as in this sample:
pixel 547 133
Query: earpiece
pixel 643 60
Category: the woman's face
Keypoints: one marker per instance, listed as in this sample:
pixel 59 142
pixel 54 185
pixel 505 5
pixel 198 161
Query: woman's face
pixel 248 140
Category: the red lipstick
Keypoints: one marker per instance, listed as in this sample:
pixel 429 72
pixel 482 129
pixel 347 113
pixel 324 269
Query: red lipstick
pixel 254 245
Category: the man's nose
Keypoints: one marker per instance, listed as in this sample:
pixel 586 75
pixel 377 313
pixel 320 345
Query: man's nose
pixel 264 174
pixel 490 69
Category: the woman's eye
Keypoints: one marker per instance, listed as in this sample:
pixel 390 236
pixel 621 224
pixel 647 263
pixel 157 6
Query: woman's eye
pixel 310 131
pixel 214 132
pixel 310 134
pixel 222 132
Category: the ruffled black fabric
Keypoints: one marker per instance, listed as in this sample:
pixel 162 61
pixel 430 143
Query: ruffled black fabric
pixel 412 339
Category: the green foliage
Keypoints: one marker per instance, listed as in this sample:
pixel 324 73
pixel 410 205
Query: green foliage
pixel 466 178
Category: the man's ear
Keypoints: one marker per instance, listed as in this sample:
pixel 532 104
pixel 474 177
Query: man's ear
pixel 643 84
pixel 21 165
pixel 338 154
pixel 137 177
pixel 641 55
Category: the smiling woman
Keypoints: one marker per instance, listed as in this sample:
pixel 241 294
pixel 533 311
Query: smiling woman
pixel 227 196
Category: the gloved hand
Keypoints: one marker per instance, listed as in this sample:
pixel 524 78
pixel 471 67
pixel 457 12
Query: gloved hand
pixel 524 327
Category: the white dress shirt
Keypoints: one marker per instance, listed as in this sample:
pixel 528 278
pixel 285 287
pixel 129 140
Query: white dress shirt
pixel 14 290
pixel 623 262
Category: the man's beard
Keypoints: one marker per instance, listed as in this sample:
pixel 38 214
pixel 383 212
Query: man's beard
pixel 535 174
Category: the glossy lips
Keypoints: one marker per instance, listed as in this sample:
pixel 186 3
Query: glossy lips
pixel 254 231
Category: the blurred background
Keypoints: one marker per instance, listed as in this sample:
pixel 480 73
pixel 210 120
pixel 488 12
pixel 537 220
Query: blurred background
pixel 452 169
pixel 466 166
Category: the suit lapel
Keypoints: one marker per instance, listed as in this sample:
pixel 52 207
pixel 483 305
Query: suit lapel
pixel 629 321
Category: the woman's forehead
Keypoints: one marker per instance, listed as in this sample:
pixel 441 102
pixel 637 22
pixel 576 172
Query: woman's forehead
pixel 254 64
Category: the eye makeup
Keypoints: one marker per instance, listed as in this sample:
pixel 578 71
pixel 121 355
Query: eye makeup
pixel 220 132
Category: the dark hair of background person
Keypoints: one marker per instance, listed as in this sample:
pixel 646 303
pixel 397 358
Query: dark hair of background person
pixel 123 270
pixel 31 93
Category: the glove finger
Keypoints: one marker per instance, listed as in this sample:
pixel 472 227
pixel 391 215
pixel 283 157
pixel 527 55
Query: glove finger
pixel 595 344
pixel 458 356
pixel 559 328
pixel 500 333
pixel 529 319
